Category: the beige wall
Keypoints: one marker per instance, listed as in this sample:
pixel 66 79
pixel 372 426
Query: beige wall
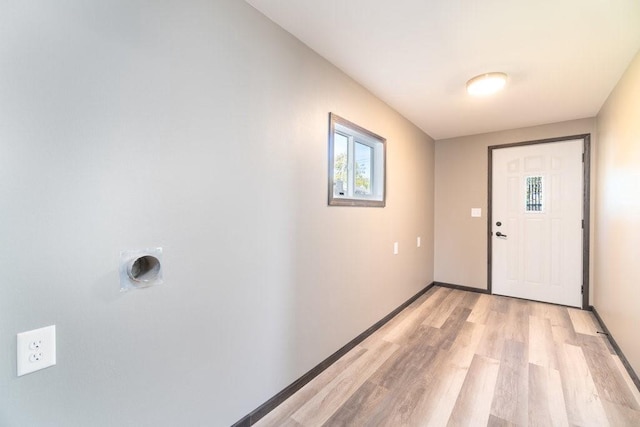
pixel 617 221
pixel 461 184
pixel 200 127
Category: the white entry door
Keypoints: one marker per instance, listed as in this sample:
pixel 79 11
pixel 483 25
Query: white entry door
pixel 537 203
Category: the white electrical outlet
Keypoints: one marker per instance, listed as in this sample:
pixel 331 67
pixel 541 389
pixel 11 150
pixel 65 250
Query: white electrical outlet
pixel 395 248
pixel 36 349
pixel 418 242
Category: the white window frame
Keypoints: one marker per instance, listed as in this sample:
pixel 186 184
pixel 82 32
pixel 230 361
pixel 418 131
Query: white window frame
pixel 356 134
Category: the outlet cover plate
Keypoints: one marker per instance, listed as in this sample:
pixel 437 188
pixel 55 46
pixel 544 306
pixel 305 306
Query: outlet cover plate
pixel 36 349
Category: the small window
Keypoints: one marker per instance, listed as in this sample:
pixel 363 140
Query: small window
pixel 356 165
pixel 534 194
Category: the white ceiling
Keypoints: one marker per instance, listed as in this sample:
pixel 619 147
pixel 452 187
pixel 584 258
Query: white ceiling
pixel 563 57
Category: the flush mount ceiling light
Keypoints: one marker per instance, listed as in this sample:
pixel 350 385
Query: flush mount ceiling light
pixel 486 84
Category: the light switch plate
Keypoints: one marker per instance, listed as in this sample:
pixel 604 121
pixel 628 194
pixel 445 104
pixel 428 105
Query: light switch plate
pixel 36 349
pixel 476 212
pixel 395 248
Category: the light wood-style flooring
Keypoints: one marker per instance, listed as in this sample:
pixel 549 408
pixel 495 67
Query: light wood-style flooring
pixel 456 358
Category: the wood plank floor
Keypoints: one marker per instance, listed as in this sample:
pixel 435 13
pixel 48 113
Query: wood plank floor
pixel 456 358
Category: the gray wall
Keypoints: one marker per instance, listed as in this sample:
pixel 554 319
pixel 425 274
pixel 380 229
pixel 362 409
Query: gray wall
pixel 200 127
pixel 618 213
pixel 461 184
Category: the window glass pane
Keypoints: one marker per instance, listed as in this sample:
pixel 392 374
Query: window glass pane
pixel 356 165
pixel 364 159
pixel 340 164
pixel 534 194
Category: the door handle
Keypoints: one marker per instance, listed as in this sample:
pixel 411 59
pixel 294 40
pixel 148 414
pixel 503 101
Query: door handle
pixel 499 234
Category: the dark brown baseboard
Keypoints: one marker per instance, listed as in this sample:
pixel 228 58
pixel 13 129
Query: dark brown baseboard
pixel 461 288
pixel 616 347
pixel 269 405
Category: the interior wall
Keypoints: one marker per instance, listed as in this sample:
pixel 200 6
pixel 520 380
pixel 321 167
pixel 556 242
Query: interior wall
pixel 461 173
pixel 618 213
pixel 199 127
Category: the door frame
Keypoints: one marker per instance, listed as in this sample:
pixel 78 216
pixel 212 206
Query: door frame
pixel 586 203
